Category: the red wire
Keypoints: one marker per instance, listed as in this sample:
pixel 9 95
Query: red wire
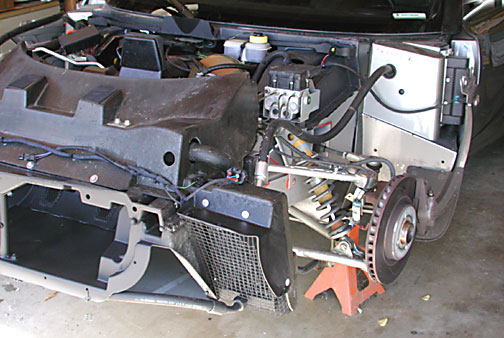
pixel 323 60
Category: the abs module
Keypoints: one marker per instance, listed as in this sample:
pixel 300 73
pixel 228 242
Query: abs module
pixel 291 94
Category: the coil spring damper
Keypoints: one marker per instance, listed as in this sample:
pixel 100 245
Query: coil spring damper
pixel 322 191
pixel 391 230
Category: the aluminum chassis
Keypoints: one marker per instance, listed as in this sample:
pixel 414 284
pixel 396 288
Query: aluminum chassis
pixel 120 276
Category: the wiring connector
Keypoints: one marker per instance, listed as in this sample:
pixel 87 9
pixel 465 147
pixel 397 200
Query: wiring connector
pixel 235 175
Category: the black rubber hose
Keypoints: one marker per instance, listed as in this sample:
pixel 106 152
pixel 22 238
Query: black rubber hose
pixel 267 61
pixel 210 155
pixel 378 99
pixel 182 9
pixel 29 26
pixel 378 159
pixel 267 142
pixel 226 66
pixel 365 161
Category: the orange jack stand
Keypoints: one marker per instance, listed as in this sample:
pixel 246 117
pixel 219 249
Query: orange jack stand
pixel 342 280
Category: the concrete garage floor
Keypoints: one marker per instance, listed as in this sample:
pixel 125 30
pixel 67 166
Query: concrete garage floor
pixel 463 272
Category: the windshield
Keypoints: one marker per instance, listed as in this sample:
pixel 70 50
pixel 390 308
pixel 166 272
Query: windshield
pixel 373 16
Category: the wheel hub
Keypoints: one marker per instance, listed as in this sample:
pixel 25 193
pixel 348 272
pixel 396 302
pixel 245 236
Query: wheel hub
pixel 399 243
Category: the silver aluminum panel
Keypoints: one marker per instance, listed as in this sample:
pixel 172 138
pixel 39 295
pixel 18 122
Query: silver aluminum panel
pixel 418 84
pixel 403 148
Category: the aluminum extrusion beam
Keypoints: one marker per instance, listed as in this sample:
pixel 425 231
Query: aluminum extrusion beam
pixel 330 257
pixel 358 180
pixel 210 306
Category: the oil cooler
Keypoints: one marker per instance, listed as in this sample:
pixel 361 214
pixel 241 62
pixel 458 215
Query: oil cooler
pixel 241 240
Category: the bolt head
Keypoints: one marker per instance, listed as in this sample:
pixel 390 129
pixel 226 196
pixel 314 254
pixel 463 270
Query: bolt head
pixel 245 214
pixel 93 178
pixel 127 123
pixel 117 121
pixel 30 165
pixel 205 203
pixel 476 100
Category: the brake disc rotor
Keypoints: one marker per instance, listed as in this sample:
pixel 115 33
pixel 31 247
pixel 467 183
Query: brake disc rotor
pixel 391 230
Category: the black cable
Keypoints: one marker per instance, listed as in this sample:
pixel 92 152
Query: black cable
pixel 198 64
pixel 267 61
pixel 305 157
pixel 168 186
pixel 226 66
pixel 29 26
pixel 170 61
pixel 204 186
pixel 293 148
pixel 367 160
pixel 379 100
pixel 336 101
pixel 402 111
pixel 133 170
pixel 340 125
pixel 340 65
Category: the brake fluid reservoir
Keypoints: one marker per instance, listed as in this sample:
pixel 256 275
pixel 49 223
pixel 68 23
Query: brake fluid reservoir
pixel 234 48
pixel 256 49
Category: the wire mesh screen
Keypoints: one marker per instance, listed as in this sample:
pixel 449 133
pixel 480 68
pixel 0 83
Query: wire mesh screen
pixel 231 264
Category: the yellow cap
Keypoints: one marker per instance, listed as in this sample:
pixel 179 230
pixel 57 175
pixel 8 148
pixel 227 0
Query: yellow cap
pixel 258 38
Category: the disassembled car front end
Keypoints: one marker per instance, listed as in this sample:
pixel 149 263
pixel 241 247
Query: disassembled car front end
pixel 139 163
